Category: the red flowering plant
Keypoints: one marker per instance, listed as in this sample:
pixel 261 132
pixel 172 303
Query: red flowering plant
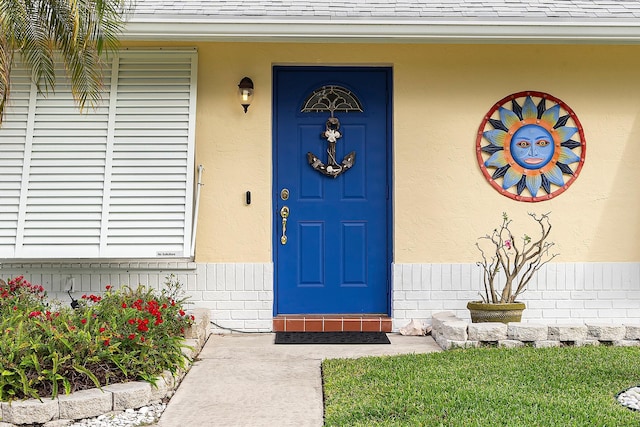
pixel 145 326
pixel 124 334
pixel 19 294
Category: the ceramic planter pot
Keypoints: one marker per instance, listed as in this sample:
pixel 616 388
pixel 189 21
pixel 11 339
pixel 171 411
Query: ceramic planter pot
pixel 505 313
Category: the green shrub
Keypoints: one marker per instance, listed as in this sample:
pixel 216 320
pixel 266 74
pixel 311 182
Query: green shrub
pixel 125 334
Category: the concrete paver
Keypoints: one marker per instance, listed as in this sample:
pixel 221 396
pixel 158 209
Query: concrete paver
pixel 245 380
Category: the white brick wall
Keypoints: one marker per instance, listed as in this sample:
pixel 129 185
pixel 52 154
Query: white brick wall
pixel 562 292
pixel 240 295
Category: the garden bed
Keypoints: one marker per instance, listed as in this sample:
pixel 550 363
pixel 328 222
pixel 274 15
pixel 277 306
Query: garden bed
pixel 113 398
pixel 122 348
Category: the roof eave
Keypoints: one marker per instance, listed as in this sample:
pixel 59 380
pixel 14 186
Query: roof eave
pixel 257 30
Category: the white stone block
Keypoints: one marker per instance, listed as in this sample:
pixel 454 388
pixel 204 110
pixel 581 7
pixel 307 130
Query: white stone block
pixel 527 331
pixel 626 343
pixel 129 395
pixel 489 331
pixel 605 332
pixel 564 332
pixel 190 349
pixel 546 344
pixel 158 391
pixel 30 411
pixel 446 344
pixel 85 404
pixel 202 315
pixel 438 319
pixel 165 383
pixel 455 330
pixel 510 344
pixel 200 328
pixel 632 332
pixel 443 342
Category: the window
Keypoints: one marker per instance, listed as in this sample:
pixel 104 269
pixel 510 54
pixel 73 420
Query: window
pixel 112 182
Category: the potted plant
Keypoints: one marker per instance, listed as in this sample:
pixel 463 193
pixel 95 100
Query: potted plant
pixel 513 263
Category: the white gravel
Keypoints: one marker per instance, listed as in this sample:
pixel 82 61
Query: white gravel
pixel 145 416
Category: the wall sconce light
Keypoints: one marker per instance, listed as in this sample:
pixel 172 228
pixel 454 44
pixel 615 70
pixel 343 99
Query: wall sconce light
pixel 245 92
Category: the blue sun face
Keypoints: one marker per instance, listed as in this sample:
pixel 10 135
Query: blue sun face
pixel 531 148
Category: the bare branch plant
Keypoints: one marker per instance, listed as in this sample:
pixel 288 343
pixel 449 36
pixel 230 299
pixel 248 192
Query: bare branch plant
pixel 518 262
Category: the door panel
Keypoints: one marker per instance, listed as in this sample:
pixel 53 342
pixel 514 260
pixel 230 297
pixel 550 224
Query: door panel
pixel 337 253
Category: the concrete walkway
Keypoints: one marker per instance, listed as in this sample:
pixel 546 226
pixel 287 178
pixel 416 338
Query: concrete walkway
pixel 247 380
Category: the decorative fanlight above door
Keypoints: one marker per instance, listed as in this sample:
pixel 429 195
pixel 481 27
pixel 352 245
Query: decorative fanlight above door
pixel 332 98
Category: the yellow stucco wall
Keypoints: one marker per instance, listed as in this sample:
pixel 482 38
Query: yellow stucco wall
pixel 442 202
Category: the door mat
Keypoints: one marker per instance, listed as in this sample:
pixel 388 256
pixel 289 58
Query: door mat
pixel 331 338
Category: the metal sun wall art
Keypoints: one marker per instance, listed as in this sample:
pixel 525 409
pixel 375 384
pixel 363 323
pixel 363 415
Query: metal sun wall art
pixel 530 146
pixel 332 99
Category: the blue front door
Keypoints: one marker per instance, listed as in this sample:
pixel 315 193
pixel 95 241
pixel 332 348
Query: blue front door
pixel 332 254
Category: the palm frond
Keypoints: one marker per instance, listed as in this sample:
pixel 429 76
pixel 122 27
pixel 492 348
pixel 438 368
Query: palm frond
pixel 82 32
pixel 5 69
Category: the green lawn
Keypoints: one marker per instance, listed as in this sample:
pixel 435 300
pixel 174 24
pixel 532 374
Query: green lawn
pixel 484 387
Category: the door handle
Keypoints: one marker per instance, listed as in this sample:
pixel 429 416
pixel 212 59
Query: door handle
pixel 284 213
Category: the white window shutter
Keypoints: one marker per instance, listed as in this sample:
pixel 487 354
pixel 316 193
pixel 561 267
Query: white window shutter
pixel 152 171
pixel 65 176
pixel 13 140
pixel 113 182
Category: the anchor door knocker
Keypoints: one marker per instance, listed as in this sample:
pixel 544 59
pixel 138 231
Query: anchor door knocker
pixel 332 168
pixel 332 98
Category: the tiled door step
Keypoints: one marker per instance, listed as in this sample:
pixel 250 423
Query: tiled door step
pixel 332 323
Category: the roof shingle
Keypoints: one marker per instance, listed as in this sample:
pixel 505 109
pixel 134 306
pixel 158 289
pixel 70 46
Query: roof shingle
pixel 393 9
pixel 527 21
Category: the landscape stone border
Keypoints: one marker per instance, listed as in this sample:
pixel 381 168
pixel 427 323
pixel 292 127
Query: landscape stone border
pixel 115 397
pixel 451 332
